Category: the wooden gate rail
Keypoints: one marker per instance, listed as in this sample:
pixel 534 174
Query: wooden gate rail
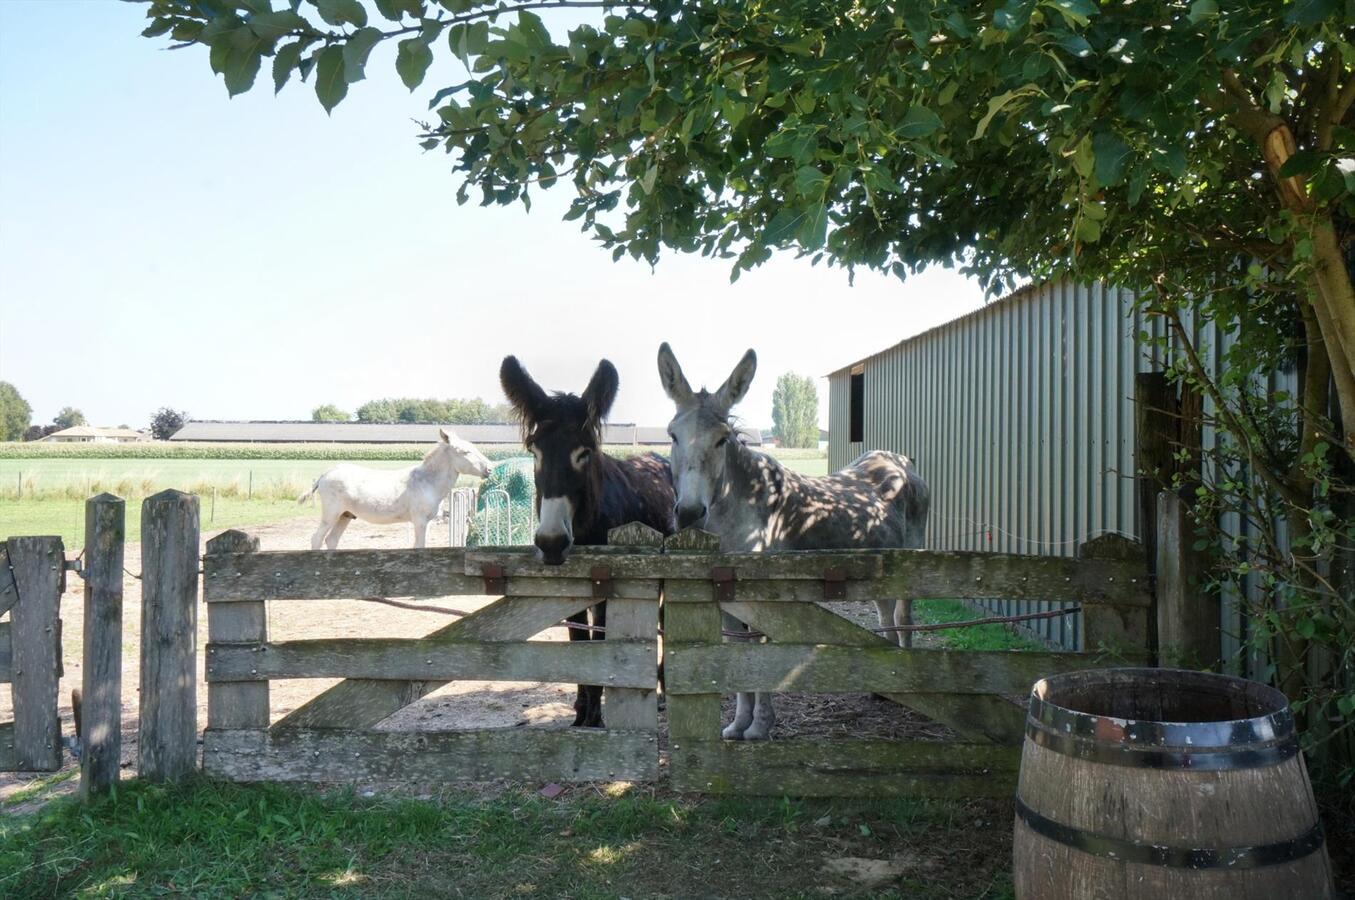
pixel 32 578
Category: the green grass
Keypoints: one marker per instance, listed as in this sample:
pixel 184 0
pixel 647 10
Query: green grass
pixel 217 840
pixel 66 518
pixel 979 637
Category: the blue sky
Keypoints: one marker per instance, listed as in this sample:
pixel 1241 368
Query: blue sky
pixel 161 244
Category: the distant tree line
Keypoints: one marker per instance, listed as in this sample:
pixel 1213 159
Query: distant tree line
pixel 418 411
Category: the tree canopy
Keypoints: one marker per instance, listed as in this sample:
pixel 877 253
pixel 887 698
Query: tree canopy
pixel 1153 143
pixel 795 411
pixel 15 413
pixel 69 417
pixel 431 411
pixel 165 421
pixel 328 412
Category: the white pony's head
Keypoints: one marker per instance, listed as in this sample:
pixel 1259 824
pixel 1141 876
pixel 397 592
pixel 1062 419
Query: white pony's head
pixel 702 434
pixel 459 455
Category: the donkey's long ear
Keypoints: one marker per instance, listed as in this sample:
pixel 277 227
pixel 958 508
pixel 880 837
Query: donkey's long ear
pixel 522 392
pixel 670 374
pixel 738 382
pixel 601 392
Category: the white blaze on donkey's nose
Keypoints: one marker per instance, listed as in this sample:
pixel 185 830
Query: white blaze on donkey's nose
pixel 557 518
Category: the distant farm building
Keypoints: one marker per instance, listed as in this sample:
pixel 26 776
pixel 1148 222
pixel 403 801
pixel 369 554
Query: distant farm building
pixel 614 434
pixel 88 434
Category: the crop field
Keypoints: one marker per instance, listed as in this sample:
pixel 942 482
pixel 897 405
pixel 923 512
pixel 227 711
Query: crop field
pixel 43 492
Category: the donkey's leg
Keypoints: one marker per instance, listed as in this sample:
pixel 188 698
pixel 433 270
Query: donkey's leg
pixel 581 691
pixel 420 532
pixel 593 708
pixel 884 611
pixel 903 615
pixel 337 530
pixel 764 718
pixel 743 706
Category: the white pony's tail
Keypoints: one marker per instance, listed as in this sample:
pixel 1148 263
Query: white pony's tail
pixel 311 493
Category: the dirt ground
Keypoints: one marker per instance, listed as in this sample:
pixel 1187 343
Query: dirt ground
pixel 459 705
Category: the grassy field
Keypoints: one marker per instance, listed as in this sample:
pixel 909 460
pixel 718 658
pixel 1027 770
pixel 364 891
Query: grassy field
pixel 45 493
pixel 217 840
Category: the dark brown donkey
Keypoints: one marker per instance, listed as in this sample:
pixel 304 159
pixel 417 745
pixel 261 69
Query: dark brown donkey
pixel 581 492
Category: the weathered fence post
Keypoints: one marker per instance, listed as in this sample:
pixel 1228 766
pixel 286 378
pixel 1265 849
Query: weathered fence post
pixel 237 704
pixel 101 676
pixel 39 565
pixel 633 709
pixel 1188 616
pixel 169 621
pixel 692 718
pixel 1123 631
pixel 1155 430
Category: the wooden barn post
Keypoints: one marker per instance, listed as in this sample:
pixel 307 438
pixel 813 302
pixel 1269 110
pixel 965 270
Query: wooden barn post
pixel 1188 615
pixel 100 721
pixel 169 622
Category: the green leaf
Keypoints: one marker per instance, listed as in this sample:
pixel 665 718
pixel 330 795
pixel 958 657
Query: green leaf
pixel 810 182
pixel 783 226
pixel 412 60
pixel 1084 158
pixel 796 143
pixel 468 39
pixel 330 84
pixel 534 29
pixel 1012 17
pixel 356 51
pixel 1201 10
pixel 647 180
pixel 158 27
pixel 272 26
pixel 284 62
pixel 996 105
pixel 242 67
pixel 342 12
pixel 1112 153
pixel 1088 229
pixel 1301 164
pixel 919 122
pixel 814 229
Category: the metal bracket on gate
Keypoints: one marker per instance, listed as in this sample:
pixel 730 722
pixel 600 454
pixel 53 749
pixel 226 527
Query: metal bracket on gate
pixel 602 583
pixel 834 583
pixel 723 578
pixel 496 585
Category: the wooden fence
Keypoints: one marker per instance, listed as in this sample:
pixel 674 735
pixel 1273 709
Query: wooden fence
pixel 806 648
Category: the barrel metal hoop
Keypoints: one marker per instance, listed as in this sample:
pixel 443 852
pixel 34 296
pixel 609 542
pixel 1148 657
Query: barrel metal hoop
pixel 1218 736
pixel 1140 756
pixel 1172 857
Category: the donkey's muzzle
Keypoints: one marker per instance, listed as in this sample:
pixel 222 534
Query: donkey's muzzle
pixel 552 549
pixel 687 516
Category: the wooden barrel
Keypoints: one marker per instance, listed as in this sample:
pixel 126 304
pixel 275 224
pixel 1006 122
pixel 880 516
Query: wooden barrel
pixel 1161 783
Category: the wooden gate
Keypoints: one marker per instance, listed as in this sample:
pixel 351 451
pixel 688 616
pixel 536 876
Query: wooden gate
pixel 32 578
pixel 333 737
pixel 812 649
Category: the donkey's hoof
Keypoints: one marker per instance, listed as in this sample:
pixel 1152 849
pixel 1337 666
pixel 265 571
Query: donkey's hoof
pixel 733 731
pixel 754 733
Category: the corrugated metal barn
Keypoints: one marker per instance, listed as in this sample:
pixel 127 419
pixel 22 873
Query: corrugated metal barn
pixel 1020 416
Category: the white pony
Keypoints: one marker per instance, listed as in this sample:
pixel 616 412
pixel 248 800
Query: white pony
pixel 385 496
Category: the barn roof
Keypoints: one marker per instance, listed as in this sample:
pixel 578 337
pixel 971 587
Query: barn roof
pixel 615 434
pixel 77 431
pixel 985 308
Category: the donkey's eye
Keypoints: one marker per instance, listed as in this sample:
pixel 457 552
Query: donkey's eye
pixel 721 442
